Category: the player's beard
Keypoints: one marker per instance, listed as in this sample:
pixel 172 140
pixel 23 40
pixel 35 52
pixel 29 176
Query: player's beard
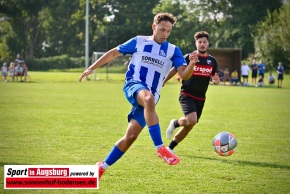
pixel 202 51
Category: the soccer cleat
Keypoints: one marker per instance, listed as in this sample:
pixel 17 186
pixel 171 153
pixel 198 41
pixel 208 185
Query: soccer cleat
pixel 167 156
pixel 100 168
pixel 172 151
pixel 170 129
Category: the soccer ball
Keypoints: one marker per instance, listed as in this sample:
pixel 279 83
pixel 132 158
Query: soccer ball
pixel 224 143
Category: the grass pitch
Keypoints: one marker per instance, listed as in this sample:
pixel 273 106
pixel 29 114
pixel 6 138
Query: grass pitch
pixel 55 120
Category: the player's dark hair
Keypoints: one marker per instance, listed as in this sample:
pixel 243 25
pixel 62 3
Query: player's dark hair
pixel 164 17
pixel 201 34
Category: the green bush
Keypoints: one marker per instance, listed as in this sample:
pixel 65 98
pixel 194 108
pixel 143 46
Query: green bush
pixel 61 62
pixel 73 64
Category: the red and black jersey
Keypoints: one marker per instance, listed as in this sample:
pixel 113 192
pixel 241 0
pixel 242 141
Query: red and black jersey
pixel 197 85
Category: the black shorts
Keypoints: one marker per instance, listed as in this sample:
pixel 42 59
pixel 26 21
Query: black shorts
pixel 190 105
pixel 254 74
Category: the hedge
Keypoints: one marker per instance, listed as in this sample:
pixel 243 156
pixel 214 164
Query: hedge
pixel 57 62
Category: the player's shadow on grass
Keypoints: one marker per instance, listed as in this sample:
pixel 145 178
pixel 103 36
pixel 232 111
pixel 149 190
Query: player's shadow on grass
pixel 245 163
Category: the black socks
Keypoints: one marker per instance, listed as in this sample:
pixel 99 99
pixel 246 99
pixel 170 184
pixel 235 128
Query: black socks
pixel 172 145
pixel 175 123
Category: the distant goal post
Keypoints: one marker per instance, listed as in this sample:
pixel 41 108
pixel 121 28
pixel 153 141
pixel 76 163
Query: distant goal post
pixel 95 57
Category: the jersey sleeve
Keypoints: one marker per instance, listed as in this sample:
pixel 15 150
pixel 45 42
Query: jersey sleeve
pixel 215 67
pixel 128 47
pixel 178 59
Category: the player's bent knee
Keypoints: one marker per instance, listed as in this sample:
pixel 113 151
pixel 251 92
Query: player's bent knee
pixel 190 123
pixel 148 102
pixel 146 99
pixel 149 99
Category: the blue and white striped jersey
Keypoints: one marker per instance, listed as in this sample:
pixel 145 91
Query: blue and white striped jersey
pixel 151 62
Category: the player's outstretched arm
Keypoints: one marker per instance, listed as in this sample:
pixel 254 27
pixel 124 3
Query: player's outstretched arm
pixel 107 57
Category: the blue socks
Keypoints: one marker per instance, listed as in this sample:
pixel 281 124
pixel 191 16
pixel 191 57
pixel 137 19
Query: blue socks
pixel 155 134
pixel 114 155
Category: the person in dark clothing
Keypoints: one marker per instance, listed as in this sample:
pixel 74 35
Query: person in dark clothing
pixel 193 91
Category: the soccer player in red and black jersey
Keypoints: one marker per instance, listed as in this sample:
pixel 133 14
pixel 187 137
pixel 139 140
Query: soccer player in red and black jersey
pixel 193 91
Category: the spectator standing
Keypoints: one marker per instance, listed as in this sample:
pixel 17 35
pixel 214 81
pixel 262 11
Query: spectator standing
pixel 280 72
pixel 18 60
pixel 4 71
pixel 245 74
pixel 25 71
pixel 261 68
pixel 254 68
pixel 12 71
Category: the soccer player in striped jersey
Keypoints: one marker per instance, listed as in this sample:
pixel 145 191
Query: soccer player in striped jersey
pixel 193 91
pixel 152 59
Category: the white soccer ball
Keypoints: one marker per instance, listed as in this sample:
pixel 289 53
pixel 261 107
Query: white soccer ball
pixel 224 144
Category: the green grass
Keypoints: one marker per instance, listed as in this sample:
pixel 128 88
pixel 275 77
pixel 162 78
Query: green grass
pixel 55 120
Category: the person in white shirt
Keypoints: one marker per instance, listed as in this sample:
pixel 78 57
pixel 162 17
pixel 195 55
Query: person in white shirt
pixel 4 71
pixel 271 79
pixel 12 70
pixel 245 74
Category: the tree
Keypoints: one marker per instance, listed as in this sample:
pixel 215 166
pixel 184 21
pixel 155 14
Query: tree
pixel 227 21
pixel 43 28
pixel 272 37
pixel 23 16
pixel 244 15
pixel 233 19
pixel 6 32
pixel 125 19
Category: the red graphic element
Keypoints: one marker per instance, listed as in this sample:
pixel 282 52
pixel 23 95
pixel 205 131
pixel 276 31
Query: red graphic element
pixel 48 172
pixel 202 70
